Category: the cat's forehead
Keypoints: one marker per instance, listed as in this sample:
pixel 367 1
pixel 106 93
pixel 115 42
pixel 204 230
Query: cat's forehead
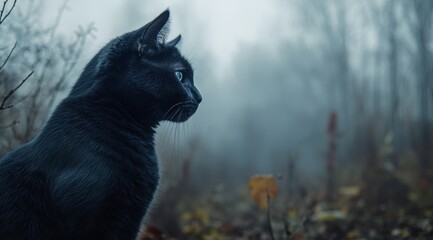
pixel 168 58
pixel 178 63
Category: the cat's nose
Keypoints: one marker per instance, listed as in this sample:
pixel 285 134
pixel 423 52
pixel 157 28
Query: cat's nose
pixel 196 94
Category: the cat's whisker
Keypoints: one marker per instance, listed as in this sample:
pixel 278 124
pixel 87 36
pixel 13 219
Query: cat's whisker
pixel 165 146
pixel 164 137
pixel 187 132
pixel 182 131
pixel 175 151
pixel 187 128
pixel 167 134
pixel 169 148
pixel 175 115
pixel 178 140
pixel 194 125
pixel 181 136
pixel 170 132
pixel 172 107
pixel 175 146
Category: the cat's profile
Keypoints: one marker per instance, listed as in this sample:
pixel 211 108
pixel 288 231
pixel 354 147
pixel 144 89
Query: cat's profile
pixel 92 171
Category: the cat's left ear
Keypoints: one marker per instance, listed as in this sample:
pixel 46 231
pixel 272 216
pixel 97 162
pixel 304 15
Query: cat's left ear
pixel 151 31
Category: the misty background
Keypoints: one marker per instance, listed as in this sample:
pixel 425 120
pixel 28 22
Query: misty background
pixel 324 93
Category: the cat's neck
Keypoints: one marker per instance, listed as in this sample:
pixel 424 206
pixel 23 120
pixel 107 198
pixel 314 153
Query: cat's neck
pixel 84 127
pixel 102 117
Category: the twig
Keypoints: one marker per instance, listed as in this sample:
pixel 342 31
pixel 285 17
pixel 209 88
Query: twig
pixel 11 92
pixel 8 13
pixel 268 214
pixel 286 228
pixel 77 49
pixel 3 9
pixel 9 55
pixel 59 16
pixel 15 122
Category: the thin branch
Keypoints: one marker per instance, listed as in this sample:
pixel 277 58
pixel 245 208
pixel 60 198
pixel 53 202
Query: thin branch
pixel 3 9
pixel 15 122
pixel 11 92
pixel 59 16
pixel 287 231
pixel 9 55
pixel 8 13
pixel 268 216
pixel 77 49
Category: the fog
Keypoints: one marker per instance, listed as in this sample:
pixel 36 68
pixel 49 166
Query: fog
pixel 252 68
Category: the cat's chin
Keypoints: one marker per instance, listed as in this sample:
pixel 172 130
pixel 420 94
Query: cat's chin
pixel 183 113
pixel 183 117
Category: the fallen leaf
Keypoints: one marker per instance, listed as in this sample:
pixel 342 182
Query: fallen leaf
pixel 262 189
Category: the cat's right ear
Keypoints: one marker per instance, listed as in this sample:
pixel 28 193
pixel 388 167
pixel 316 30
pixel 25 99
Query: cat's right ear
pixel 174 42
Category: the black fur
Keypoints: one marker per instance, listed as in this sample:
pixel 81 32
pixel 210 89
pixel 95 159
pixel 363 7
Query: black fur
pixel 92 171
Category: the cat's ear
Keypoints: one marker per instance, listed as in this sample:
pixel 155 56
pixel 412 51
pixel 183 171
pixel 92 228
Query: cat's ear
pixel 151 31
pixel 145 37
pixel 174 42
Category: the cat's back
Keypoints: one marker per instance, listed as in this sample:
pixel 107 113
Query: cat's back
pixel 25 201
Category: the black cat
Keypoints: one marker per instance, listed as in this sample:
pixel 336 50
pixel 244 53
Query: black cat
pixel 92 171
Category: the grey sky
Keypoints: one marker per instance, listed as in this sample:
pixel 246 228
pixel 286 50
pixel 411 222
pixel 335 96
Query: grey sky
pixel 221 26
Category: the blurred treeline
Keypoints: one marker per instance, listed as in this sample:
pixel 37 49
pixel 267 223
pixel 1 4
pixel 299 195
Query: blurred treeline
pixel 376 69
pixel 368 64
pixel 345 100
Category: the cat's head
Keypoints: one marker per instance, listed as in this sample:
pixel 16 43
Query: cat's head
pixel 145 73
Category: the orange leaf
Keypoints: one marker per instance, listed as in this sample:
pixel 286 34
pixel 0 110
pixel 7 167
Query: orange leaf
pixel 262 189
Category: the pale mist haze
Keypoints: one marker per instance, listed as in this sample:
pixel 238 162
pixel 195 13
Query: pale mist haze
pixel 236 50
pixel 267 70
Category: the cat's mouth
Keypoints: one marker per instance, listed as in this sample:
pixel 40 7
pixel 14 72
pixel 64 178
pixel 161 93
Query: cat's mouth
pixel 182 111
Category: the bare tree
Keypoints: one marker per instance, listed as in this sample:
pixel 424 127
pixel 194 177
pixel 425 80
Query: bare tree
pixel 330 161
pixel 4 13
pixel 421 21
pixel 392 62
pixel 51 61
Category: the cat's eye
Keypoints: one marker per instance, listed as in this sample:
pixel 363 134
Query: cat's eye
pixel 179 75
